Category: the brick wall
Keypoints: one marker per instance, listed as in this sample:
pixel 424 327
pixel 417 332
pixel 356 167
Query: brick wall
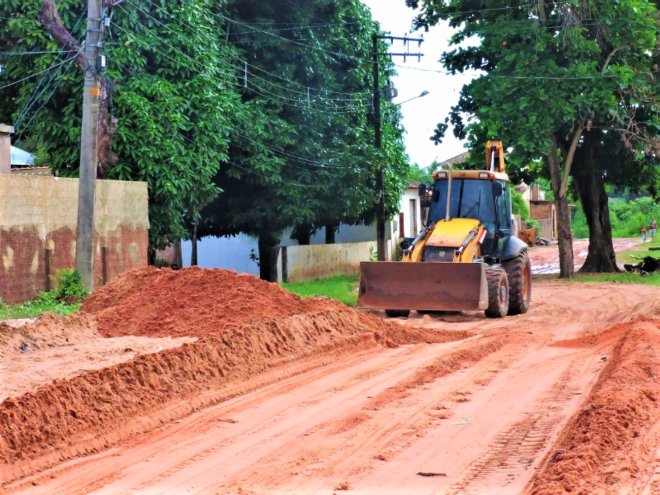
pixel 38 217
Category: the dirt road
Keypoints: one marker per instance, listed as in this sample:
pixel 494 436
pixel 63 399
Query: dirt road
pixel 495 411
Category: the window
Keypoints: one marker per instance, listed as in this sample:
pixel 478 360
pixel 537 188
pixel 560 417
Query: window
pixel 469 199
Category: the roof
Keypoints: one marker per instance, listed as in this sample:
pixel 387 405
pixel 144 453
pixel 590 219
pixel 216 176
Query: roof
pixel 463 157
pixel 21 157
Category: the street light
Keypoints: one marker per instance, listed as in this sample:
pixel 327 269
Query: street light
pixel 423 93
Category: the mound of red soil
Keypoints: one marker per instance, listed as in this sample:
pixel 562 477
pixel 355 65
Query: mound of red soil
pixel 247 328
pixel 602 447
pixel 192 302
pixel 47 331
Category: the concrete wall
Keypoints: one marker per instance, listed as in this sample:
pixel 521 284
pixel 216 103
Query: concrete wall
pixel 323 260
pixel 38 218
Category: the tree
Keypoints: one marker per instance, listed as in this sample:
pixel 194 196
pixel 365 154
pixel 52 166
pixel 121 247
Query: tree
pixel 554 73
pixel 175 101
pixel 311 78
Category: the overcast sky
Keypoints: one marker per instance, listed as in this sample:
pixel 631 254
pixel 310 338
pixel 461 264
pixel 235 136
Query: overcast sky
pixel 420 116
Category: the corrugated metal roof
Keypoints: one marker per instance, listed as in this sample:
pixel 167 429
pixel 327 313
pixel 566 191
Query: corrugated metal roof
pixel 21 157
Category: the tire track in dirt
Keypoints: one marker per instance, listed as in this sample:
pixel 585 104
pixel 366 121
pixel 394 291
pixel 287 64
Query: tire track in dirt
pixel 609 444
pixel 520 444
pixel 192 433
pixel 374 430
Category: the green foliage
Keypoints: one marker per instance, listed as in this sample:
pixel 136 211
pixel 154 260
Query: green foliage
pixel 318 169
pixel 421 174
pixel 550 69
pixel 519 205
pixel 45 302
pixel 293 148
pixel 534 224
pixel 343 288
pixel 175 100
pixel 621 278
pixel 627 217
pixel 69 287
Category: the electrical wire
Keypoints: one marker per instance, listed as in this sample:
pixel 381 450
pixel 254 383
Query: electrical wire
pixel 41 52
pixel 39 91
pixel 36 73
pixel 34 115
pixel 238 58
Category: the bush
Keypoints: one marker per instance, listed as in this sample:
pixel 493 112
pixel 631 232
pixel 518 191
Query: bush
pixel 68 287
pixel 627 217
pixel 519 205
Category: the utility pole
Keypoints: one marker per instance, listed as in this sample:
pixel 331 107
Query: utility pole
pixel 94 64
pixel 378 138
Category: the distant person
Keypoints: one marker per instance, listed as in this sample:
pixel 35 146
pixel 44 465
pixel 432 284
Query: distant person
pixel 643 234
pixel 652 227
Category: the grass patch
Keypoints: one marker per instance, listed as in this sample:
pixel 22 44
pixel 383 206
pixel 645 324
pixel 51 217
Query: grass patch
pixel 639 252
pixel 621 278
pixel 630 256
pixel 45 302
pixel 340 287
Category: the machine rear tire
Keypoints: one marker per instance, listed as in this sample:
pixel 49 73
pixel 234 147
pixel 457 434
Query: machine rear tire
pixel 519 272
pixel 396 313
pixel 498 293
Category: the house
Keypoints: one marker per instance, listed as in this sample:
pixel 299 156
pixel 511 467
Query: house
pixel 408 222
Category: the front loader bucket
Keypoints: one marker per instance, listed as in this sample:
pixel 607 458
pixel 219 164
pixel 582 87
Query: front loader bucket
pixel 432 286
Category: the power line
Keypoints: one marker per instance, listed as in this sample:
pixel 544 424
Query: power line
pixel 34 115
pixel 38 52
pixel 38 91
pixel 36 73
pixel 233 80
pixel 238 58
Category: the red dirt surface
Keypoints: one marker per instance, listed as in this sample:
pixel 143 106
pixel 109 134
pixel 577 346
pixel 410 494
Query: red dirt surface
pixel 285 395
pixel 30 349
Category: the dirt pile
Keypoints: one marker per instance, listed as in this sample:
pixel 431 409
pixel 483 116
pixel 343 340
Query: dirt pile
pixel 49 330
pixel 194 301
pixel 602 448
pixel 246 329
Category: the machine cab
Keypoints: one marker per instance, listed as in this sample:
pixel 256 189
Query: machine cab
pixel 478 195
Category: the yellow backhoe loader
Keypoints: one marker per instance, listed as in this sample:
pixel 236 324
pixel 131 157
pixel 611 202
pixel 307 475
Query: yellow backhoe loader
pixel 465 258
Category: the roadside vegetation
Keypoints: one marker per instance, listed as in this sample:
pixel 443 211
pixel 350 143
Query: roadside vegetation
pixel 626 216
pixel 630 256
pixel 342 288
pixel 64 299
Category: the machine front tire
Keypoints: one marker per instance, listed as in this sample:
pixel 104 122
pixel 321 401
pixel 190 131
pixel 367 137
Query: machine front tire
pixel 519 272
pixel 396 313
pixel 498 293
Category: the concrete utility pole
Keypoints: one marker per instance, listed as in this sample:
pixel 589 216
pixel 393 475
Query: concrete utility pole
pixel 88 143
pixel 378 139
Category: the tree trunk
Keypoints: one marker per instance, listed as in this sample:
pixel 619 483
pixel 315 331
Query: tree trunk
pixel 591 189
pixel 193 254
pixel 178 259
pixel 564 236
pixel 330 231
pixel 302 233
pixel 565 239
pixel 268 248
